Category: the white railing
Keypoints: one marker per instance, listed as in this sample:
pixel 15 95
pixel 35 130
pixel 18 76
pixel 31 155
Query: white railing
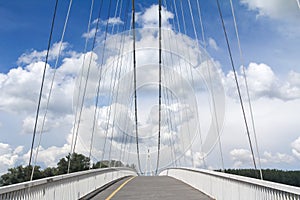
pixel 69 186
pixel 223 186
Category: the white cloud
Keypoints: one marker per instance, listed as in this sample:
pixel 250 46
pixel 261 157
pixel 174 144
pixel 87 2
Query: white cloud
pixel 213 44
pixel 90 34
pixel 263 82
pixel 50 123
pixel 149 18
pixel 277 158
pixel 296 148
pixel 20 86
pixel 19 94
pixel 49 156
pixel 284 13
pixel 35 56
pixel 8 156
pixel 115 20
pixel 111 21
pixel 243 158
pixel 277 9
pixel 294 78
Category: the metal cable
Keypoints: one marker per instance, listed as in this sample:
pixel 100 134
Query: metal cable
pixel 93 129
pixel 116 77
pixel 159 85
pixel 247 88
pixel 85 86
pixel 42 84
pixel 169 121
pixel 120 59
pixel 101 69
pixel 190 72
pixel 212 90
pixel 51 87
pixel 80 82
pixel 236 81
pixel 135 92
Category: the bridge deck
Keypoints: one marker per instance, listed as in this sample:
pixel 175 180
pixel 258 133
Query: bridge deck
pixel 147 187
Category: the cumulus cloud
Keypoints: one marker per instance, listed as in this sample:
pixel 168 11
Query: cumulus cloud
pixel 277 158
pixel 277 9
pixel 263 82
pixel 89 34
pixel 34 55
pixel 243 158
pixel 149 18
pixel 9 156
pixel 296 148
pixel 20 85
pixel 49 157
pixel 285 14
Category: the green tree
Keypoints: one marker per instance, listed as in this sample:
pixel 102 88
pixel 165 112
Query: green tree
pixel 50 171
pixel 100 164
pixel 78 162
pixel 20 174
pixel 107 163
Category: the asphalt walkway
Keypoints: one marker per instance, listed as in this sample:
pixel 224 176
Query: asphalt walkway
pixel 152 188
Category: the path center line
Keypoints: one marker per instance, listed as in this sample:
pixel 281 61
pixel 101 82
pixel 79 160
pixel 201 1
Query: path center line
pixel 119 188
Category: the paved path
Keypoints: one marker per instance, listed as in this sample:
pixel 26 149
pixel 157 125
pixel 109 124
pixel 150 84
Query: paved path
pixel 151 187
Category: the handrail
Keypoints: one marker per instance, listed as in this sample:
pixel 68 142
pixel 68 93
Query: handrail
pixel 61 186
pixel 228 186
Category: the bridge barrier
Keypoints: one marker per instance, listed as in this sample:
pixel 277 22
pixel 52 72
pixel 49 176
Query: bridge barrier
pixel 68 186
pixel 223 186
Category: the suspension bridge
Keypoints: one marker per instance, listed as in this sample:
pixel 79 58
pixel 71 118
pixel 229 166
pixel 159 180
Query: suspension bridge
pixel 132 69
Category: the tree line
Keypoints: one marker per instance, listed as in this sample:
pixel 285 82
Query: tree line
pixel 78 162
pixel 279 176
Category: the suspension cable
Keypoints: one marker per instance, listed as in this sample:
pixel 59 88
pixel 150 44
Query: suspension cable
pixel 125 135
pixel 51 87
pixel 180 67
pixel 116 77
pixel 111 88
pixel 236 81
pixel 135 92
pixel 84 90
pixel 100 69
pixel 42 84
pixel 212 90
pixel 247 88
pixel 191 75
pixel 159 84
pixel 198 47
pixel 81 77
pixel 88 30
pixel 169 118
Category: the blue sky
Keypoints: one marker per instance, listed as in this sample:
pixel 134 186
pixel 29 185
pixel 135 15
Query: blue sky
pixel 32 21
pixel 270 39
pixel 25 26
